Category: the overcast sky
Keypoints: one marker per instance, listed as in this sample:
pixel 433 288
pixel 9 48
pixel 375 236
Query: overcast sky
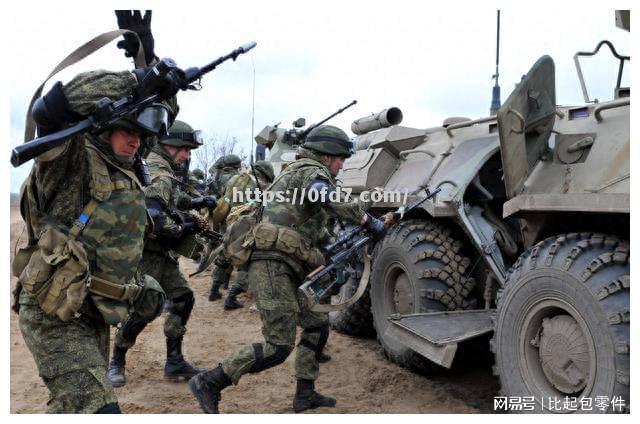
pixel 430 61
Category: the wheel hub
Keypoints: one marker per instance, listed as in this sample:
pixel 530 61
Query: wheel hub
pixel 403 295
pixel 564 354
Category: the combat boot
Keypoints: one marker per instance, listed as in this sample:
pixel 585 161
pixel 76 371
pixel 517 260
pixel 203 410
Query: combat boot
pixel 231 302
pixel 323 357
pixel 115 374
pixel 307 398
pixel 176 367
pixel 206 387
pixel 214 293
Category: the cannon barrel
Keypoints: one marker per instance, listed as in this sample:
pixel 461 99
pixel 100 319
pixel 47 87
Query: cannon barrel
pixel 384 119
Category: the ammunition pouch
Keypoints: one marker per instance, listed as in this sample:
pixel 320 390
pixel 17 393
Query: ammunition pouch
pixel 55 274
pixel 239 240
pixel 269 236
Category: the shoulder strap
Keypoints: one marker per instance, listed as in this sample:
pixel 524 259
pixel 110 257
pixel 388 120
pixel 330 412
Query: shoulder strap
pixel 77 55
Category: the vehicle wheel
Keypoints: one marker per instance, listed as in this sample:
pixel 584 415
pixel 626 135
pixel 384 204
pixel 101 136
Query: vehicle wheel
pixel 357 319
pixel 562 326
pixel 418 267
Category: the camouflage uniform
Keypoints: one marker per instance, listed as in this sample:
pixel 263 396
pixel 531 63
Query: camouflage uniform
pixel 274 277
pixel 245 183
pixel 166 197
pixel 71 355
pixel 221 172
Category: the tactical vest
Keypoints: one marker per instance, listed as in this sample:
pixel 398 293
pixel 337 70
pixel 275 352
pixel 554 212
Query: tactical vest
pixel 97 255
pixel 288 228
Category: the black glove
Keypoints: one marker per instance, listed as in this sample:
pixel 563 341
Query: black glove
pixel 188 226
pixel 375 227
pixel 165 79
pixel 140 25
pixel 204 202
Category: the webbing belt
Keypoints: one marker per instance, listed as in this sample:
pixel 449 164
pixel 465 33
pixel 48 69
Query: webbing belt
pixel 114 291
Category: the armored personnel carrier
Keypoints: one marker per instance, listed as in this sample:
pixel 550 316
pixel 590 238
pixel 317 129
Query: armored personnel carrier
pixel 527 242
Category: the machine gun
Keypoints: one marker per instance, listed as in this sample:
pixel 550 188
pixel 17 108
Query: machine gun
pixel 348 246
pixel 109 112
pixel 270 135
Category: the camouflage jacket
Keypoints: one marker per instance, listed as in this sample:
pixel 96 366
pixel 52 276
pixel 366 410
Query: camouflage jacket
pixel 243 183
pixel 310 220
pixel 172 194
pixel 58 189
pixel 218 183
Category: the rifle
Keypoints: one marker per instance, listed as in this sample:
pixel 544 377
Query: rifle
pixel 301 136
pixel 108 112
pixel 342 251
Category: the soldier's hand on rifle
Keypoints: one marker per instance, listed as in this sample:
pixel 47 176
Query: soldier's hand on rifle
pixel 134 21
pixel 374 226
pixel 164 78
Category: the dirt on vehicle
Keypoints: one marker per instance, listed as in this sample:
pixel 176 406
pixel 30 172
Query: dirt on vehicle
pixel 358 375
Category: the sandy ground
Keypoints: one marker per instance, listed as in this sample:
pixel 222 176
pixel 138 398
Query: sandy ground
pixel 359 376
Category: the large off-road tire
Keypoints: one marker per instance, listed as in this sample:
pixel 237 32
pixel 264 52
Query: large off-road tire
pixel 418 267
pixel 355 320
pixel 562 326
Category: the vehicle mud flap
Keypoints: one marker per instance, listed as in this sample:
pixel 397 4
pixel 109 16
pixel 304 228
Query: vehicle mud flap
pixel 435 335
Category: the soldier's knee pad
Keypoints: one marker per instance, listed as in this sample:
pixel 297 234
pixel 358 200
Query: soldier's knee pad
pixel 131 327
pixel 322 337
pixel 182 306
pixel 112 408
pixel 262 361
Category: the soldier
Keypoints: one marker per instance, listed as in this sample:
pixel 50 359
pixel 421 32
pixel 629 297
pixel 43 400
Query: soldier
pixel 286 249
pixel 196 179
pixel 222 171
pixel 165 198
pixel 245 183
pixel 86 217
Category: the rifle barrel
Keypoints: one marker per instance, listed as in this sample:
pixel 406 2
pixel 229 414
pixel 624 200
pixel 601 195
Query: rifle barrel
pixel 27 151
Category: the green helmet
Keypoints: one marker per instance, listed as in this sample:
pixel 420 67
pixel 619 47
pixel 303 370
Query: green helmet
pixel 329 140
pixel 198 174
pixel 232 161
pixel 265 168
pixel 182 135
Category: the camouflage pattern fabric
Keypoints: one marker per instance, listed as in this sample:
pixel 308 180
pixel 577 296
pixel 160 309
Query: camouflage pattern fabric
pixel 167 273
pixel 167 189
pixel 308 218
pixel 157 261
pixel 219 179
pixel 71 355
pixel 274 277
pixel 274 286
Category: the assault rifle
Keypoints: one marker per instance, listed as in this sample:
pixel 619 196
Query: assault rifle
pixel 299 137
pixel 341 252
pixel 109 112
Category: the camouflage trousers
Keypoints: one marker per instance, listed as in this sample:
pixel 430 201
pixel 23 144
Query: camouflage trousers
pixel 180 297
pixel 274 287
pixel 71 357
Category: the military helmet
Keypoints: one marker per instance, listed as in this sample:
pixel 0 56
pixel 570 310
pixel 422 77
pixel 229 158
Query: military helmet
pixel 198 173
pixel 329 140
pixel 231 160
pixel 182 135
pixel 265 168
